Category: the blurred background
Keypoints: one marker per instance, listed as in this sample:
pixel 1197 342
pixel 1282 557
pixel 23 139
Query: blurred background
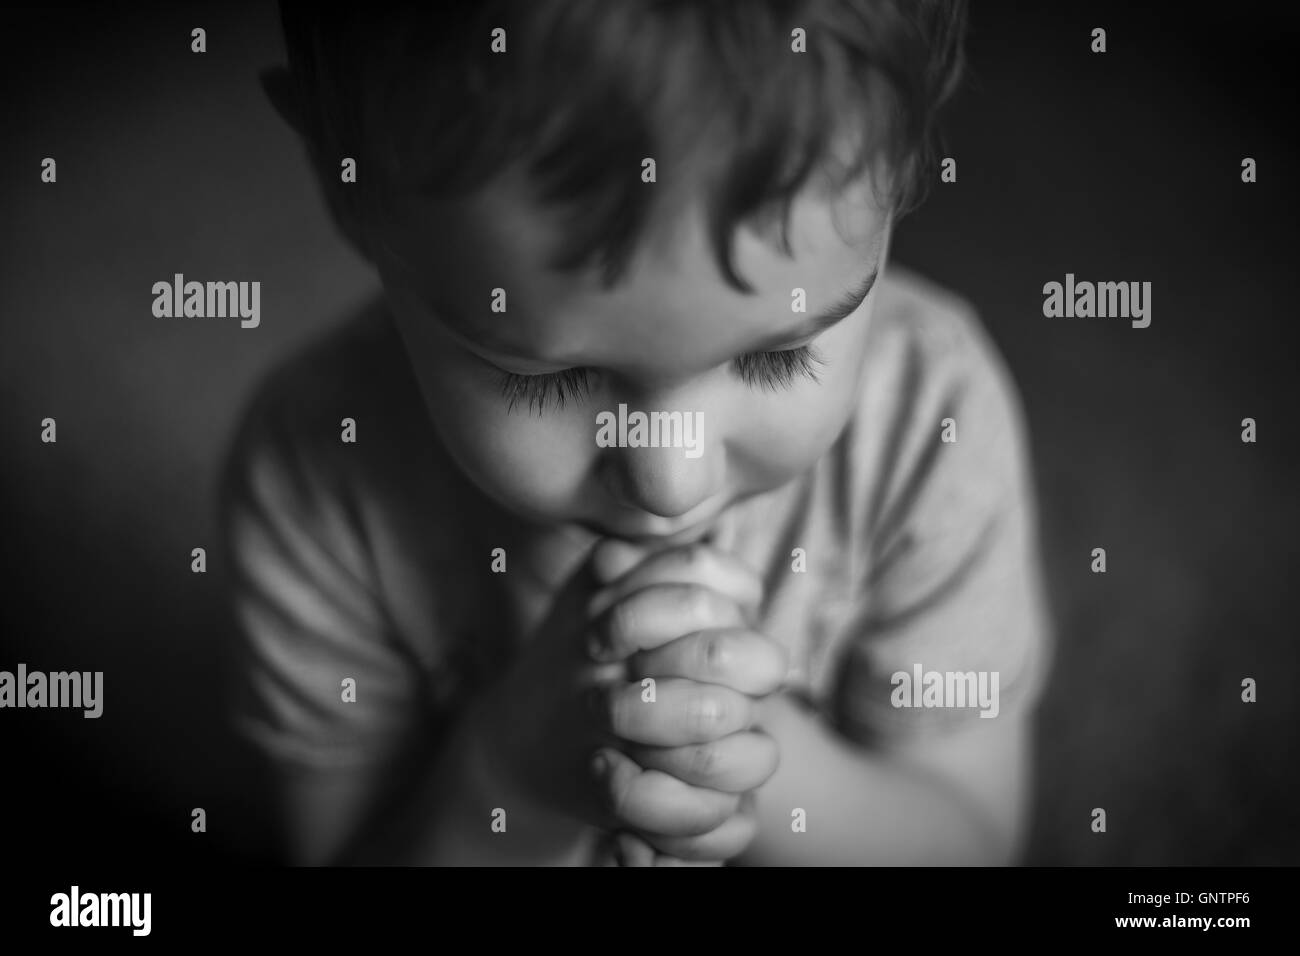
pixel 1120 166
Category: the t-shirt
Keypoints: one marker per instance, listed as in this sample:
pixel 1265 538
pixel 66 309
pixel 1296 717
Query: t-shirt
pixel 909 548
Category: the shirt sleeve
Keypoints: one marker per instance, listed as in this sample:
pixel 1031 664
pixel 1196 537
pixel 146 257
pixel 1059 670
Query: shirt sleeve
pixel 321 681
pixel 951 621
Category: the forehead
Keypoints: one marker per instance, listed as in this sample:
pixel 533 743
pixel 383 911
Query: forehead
pixel 672 306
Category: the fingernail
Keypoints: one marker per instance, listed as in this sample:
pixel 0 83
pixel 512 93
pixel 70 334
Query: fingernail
pixel 599 764
pixel 595 646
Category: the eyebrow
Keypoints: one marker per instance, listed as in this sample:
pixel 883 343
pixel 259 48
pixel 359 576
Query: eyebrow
pixel 841 309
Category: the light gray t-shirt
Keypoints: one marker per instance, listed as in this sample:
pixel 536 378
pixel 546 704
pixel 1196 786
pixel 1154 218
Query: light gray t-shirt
pixel 373 560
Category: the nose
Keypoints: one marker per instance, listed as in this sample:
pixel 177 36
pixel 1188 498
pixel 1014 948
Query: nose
pixel 662 481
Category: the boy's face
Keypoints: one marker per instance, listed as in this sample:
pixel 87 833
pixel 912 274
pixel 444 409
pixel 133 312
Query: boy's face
pixel 666 339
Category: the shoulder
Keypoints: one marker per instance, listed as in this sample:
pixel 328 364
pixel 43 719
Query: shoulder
pixel 945 509
pixel 935 341
pixel 319 544
pixel 291 427
pixel 356 368
pixel 307 517
pixel 940 420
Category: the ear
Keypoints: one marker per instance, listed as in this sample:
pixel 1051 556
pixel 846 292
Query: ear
pixel 279 88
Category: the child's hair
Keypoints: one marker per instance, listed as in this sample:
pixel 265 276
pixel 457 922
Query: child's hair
pixel 589 88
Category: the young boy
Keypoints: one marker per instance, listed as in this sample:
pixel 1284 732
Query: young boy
pixel 649 517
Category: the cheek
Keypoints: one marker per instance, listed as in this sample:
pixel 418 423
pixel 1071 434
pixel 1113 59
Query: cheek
pixel 787 431
pixel 531 465
pixel 536 466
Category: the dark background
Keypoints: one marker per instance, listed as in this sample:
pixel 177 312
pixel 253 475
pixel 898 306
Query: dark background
pixel 1123 166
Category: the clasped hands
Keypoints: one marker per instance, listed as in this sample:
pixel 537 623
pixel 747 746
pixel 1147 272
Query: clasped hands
pixel 634 708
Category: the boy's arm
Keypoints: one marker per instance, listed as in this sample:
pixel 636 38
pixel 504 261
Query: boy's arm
pixel 443 812
pixel 955 587
pixel 307 621
pixel 384 771
pixel 954 800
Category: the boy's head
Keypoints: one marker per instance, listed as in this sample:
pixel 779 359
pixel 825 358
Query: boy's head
pixel 503 146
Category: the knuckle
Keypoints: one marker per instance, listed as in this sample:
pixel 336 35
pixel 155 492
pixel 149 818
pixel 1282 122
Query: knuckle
pixel 619 714
pixel 620 624
pixel 618 795
pixel 697 602
pixel 718 653
pixel 704 761
pixel 708 711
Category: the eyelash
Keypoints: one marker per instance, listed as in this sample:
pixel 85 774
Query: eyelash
pixel 770 371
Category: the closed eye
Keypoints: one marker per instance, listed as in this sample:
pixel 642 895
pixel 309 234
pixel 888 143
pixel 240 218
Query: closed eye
pixel 778 370
pixel 539 391
pixel 770 371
